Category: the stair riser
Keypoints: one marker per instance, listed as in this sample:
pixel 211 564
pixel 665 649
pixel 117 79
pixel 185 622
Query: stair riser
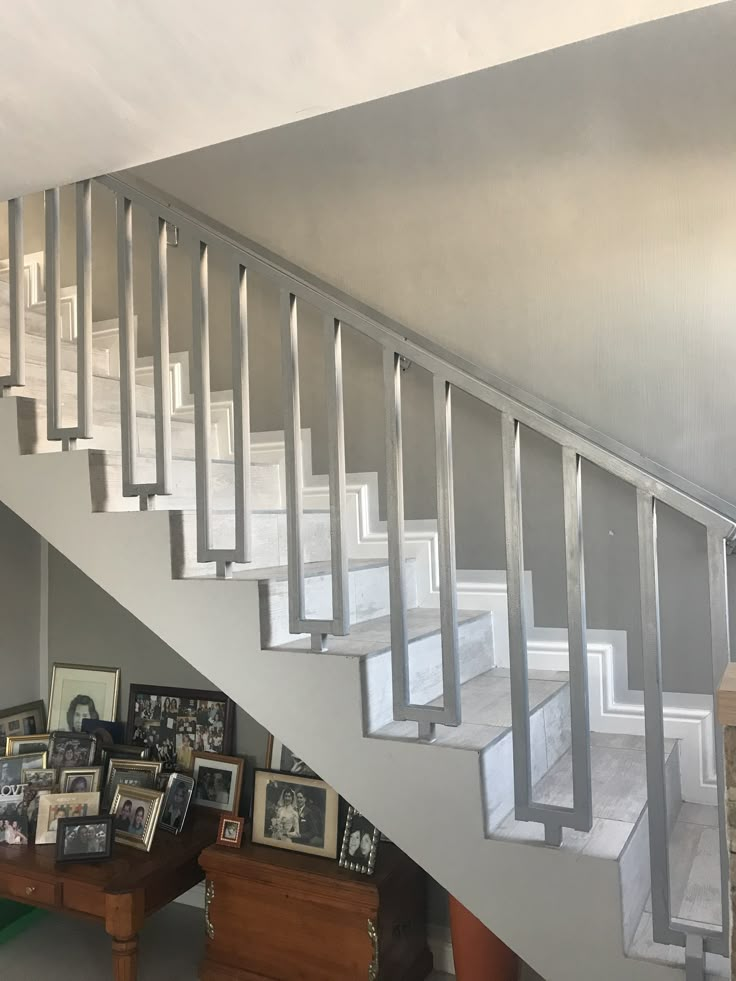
pixel 36 350
pixel 269 543
pixel 107 486
pixel 549 726
pixel 425 670
pixel 369 598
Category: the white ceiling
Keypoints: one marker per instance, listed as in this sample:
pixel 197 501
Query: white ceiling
pixel 89 86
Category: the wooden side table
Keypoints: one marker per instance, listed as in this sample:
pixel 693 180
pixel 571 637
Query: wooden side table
pixel 119 893
pixel 274 915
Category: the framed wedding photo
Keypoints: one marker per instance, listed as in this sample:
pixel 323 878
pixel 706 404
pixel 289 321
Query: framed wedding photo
pixel 280 757
pixel 81 692
pixel 135 812
pixel 231 831
pixel 22 720
pixel 177 798
pixel 84 839
pixel 53 807
pixel 295 813
pixel 69 749
pixel 175 723
pixel 359 844
pixel 218 781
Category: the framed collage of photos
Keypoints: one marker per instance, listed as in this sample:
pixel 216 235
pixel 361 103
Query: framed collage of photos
pixel 176 723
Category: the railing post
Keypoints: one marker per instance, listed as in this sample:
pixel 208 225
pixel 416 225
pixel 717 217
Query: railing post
pixel 17 370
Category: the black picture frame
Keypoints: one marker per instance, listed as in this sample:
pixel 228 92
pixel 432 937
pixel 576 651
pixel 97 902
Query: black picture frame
pixel 180 722
pixel 83 744
pixel 64 853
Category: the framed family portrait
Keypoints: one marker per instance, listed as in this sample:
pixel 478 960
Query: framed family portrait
pixel 177 798
pixel 296 813
pixel 22 720
pixel 280 757
pixel 130 773
pixel 81 692
pixel 175 723
pixel 13 768
pixel 231 831
pixel 359 844
pixel 135 812
pixel 53 807
pixel 218 781
pixel 69 749
pixel 82 780
pixel 84 839
pixel 13 820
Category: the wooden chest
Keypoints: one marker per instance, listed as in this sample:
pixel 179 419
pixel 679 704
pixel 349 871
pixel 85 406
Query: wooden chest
pixel 282 916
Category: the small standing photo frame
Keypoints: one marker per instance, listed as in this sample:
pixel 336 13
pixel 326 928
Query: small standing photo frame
pixel 231 831
pixel 359 844
pixel 69 750
pixel 218 781
pixel 84 839
pixel 135 812
pixel 81 780
pixel 22 720
pixel 27 745
pixel 177 798
pixel 53 807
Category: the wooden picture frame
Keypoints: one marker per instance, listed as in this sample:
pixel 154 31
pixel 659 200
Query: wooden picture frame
pixel 81 691
pixel 359 843
pixel 81 847
pixel 295 813
pixel 176 720
pixel 230 833
pixel 22 720
pixel 280 757
pixel 209 793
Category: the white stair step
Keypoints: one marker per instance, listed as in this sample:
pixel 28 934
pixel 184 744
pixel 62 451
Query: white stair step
pixel 36 349
pixel 107 494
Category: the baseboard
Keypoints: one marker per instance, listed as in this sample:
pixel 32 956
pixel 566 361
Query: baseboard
pixel 194 897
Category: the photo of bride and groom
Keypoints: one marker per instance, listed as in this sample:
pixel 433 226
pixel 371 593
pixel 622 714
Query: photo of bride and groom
pixel 295 812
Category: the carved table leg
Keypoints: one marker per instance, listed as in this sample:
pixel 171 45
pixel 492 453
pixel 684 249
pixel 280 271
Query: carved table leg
pixel 124 915
pixel 125 959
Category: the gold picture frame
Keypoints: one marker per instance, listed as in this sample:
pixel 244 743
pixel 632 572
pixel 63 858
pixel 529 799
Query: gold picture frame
pixel 26 745
pixel 82 690
pixel 52 807
pixel 118 766
pixel 126 809
pixel 22 720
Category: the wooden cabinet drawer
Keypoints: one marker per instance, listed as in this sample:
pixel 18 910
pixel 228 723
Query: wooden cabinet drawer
pixel 31 891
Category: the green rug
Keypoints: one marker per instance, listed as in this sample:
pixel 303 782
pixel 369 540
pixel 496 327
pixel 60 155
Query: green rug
pixel 15 918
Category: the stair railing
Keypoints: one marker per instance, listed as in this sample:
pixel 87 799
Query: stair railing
pixel 16 375
pixel 448 374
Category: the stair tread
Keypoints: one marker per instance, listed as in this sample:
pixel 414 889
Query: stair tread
pixel 486 709
pixel 374 636
pixel 619 797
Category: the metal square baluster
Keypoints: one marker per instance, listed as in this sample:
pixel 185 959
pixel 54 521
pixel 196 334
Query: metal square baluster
pixel 52 267
pixel 84 309
pixel 161 368
pixel 241 416
pixel 17 370
pixel 337 479
pixel 202 413
pixel 126 338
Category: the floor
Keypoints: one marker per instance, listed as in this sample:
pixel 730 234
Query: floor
pixel 172 945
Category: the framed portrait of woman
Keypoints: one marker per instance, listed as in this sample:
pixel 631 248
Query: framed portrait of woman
pixel 79 692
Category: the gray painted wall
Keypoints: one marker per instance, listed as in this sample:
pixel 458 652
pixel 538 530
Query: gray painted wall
pixel 20 571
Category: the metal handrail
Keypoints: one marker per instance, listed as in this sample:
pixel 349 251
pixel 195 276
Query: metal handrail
pixel 448 372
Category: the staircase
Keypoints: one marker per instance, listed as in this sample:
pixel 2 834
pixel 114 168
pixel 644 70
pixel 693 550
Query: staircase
pixel 409 686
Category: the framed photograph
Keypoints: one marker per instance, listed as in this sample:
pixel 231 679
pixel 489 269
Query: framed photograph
pixel 359 844
pixel 40 779
pixel 231 831
pixel 25 745
pixel 121 751
pixel 68 749
pixel 218 781
pixel 84 839
pixel 135 812
pixel 296 813
pixel 80 691
pixel 130 773
pixel 175 723
pixel 13 768
pixel 82 780
pixel 177 798
pixel 13 819
pixel 280 757
pixel 22 720
pixel 53 807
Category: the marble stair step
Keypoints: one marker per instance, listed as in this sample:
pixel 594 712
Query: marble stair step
pixel 107 487
pixel 370 641
pixel 36 348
